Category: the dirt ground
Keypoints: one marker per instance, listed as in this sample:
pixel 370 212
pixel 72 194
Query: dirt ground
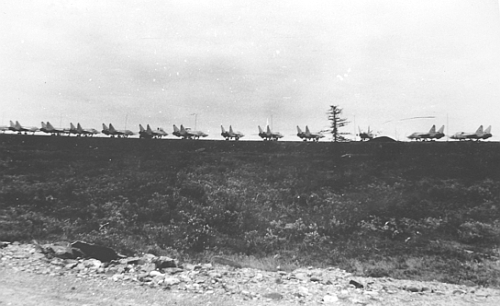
pixel 21 288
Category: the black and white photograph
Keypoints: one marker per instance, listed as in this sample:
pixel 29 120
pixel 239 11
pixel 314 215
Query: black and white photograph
pixel 220 152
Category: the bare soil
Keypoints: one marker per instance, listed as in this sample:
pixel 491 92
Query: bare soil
pixel 21 288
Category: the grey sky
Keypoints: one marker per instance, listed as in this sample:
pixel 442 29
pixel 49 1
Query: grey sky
pixel 246 62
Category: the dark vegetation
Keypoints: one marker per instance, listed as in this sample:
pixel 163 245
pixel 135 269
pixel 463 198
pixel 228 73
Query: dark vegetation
pixel 410 210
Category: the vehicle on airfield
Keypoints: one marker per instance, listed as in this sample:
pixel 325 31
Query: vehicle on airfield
pixel 477 135
pixel 368 135
pixel 111 131
pixel 432 134
pixel 159 132
pixel 192 134
pixel 187 133
pixel 269 135
pixel 17 127
pixel 307 135
pixel 487 133
pixel 177 132
pixel 79 131
pixel 105 130
pixel 230 134
pixel 73 129
pixel 148 133
pixel 50 129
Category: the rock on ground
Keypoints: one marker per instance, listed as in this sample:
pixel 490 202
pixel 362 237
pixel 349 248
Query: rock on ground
pixel 51 279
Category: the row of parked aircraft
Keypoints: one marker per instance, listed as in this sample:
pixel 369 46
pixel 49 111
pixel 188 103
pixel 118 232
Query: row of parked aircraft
pixel 266 135
pixel 433 134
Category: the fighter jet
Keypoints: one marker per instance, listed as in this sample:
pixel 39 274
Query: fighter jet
pixel 192 134
pixel 159 132
pixel 111 131
pixel 177 132
pixel 17 127
pixel 230 134
pixel 148 133
pixel 187 133
pixel 105 130
pixel 477 135
pixel 269 135
pixel 487 133
pixel 73 130
pixel 81 131
pixel 366 135
pixel 49 129
pixel 432 134
pixel 307 135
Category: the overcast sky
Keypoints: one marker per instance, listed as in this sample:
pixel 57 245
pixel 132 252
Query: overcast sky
pixel 245 63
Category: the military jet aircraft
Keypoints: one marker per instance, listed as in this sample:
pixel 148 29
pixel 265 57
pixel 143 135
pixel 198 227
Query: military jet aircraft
pixel 366 135
pixel 143 133
pixel 73 130
pixel 177 132
pixel 307 135
pixel 432 134
pixel 148 133
pixel 17 127
pixel 230 134
pixel 105 130
pixel 159 132
pixel 187 133
pixel 269 135
pixel 79 131
pixel 192 134
pixel 111 131
pixel 487 133
pixel 49 129
pixel 477 135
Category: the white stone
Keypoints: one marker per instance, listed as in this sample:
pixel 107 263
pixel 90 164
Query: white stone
pixel 330 299
pixel 156 273
pixel 170 281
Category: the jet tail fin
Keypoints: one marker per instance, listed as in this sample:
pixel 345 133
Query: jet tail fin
pixel 176 129
pixel 488 130
pixel 231 130
pixel 104 127
pixel 433 130
pixel 111 128
pixel 72 126
pixel 141 129
pixel 441 130
pixel 479 130
pixel 223 131
pixel 299 131
pixel 260 130
pixel 307 130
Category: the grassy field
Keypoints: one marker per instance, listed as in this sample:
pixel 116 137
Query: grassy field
pixel 410 210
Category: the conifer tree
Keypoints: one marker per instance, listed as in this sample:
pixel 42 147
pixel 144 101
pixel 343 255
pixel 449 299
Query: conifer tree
pixel 334 115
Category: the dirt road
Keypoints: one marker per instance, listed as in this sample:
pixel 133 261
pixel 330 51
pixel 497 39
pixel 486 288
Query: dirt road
pixel 21 288
pixel 28 278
